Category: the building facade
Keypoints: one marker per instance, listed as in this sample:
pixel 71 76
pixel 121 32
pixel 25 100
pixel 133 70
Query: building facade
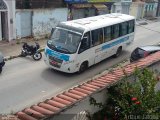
pixel 150 8
pixel 7 20
pixel 36 18
pixel 29 18
pixel 86 8
pixel 123 6
pixel 137 9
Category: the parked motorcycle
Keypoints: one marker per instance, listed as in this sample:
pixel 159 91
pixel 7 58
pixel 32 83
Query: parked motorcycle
pixel 2 63
pixel 31 50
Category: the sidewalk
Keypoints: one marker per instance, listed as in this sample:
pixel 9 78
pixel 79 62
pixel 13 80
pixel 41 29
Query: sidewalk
pixel 146 21
pixel 14 48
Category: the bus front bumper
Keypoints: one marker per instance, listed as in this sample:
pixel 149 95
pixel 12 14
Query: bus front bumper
pixel 68 68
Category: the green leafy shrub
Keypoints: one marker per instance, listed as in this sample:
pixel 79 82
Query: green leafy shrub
pixel 132 99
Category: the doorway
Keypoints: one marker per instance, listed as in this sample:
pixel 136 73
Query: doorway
pixel 4 25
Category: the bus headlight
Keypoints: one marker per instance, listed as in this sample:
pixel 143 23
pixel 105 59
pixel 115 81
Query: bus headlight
pixel 68 62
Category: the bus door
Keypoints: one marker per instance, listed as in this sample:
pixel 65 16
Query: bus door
pixel 86 53
pixel 97 40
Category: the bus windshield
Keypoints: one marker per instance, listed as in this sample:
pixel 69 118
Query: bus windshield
pixel 64 41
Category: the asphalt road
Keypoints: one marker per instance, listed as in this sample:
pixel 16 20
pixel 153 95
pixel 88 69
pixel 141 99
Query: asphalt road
pixel 24 82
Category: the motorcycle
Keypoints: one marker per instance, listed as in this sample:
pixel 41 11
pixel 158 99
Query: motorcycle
pixel 2 63
pixel 31 50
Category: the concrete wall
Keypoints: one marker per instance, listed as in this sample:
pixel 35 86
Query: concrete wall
pixel 84 105
pixel 137 10
pixel 23 23
pixel 44 20
pixel 41 21
pixel 121 7
pixel 117 7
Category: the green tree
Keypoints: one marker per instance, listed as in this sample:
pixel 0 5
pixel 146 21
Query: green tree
pixel 133 98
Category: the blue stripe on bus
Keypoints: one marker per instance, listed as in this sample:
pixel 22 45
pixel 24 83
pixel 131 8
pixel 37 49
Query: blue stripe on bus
pixel 115 43
pixel 57 55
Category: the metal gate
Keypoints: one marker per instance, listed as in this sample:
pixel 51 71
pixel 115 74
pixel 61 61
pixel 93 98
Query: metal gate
pixel 26 23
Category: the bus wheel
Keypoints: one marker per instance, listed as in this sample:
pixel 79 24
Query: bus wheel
pixel 83 67
pixel 119 50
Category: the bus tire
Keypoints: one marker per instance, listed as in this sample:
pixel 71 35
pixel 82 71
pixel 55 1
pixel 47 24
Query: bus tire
pixel 119 50
pixel 83 67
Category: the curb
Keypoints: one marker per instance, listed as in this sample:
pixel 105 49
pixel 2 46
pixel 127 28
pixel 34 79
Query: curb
pixel 16 56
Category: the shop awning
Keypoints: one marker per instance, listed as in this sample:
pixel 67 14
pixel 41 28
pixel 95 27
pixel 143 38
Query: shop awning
pixel 100 6
pixel 82 5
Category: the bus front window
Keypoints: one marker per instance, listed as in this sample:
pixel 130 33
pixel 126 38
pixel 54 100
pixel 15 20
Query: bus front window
pixel 64 41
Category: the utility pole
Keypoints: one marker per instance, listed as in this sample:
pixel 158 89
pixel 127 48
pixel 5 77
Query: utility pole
pixel 158 9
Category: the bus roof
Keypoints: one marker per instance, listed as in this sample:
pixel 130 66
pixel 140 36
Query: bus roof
pixel 100 21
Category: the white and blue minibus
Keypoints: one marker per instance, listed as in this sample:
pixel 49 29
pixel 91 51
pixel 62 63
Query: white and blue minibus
pixel 78 44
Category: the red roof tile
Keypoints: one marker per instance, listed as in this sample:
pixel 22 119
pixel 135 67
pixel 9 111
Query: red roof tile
pixel 87 88
pixel 98 83
pixel 58 99
pixel 42 110
pixel 91 86
pixel 56 104
pixel 75 96
pixel 83 90
pixel 33 113
pixel 105 81
pixel 49 107
pixel 78 93
pixel 65 97
pixel 24 116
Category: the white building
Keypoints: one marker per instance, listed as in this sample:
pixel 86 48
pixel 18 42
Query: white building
pixel 7 20
pixel 123 6
pixel 21 18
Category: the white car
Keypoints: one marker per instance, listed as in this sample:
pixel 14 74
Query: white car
pixel 1 62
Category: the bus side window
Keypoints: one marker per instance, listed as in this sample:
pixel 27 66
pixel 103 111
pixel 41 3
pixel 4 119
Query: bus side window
pixel 115 31
pixel 131 26
pixel 85 43
pixel 97 37
pixel 123 28
pixel 107 33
